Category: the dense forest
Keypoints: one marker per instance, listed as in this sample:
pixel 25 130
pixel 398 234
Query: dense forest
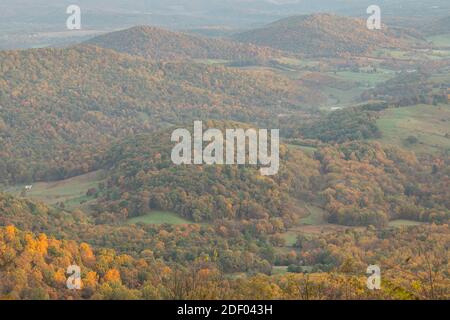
pixel 358 183
pixel 160 44
pixel 322 35
pixel 34 267
pixel 60 108
pixel 87 179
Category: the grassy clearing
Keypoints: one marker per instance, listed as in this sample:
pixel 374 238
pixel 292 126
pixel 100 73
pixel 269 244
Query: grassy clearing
pixel 160 217
pixel 298 62
pixel 429 124
pixel 314 219
pixel 442 77
pixel 211 61
pixel 290 237
pixel 71 192
pixel 306 149
pixel 440 54
pixel 342 98
pixel 395 54
pixel 316 216
pixel 279 270
pixel 404 223
pixel 365 78
pixel 360 81
pixel 442 40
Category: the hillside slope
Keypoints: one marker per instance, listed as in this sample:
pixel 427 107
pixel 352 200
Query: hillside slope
pixel 142 178
pixel 59 108
pixel 357 183
pixel 321 35
pixel 159 44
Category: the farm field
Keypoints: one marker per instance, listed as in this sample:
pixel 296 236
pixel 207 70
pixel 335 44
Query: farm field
pixel 441 77
pixel 342 98
pixel 316 216
pixel 442 40
pixel 429 124
pixel 315 220
pixel 279 270
pixel 368 79
pixel 307 149
pixel 71 192
pixel 404 223
pixel 211 61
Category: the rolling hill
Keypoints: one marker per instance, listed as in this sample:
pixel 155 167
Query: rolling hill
pixel 321 35
pixel 357 183
pixel 59 108
pixel 159 44
pixel 142 178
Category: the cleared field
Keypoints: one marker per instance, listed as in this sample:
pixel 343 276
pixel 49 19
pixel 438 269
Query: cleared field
pixel 440 54
pixel 160 217
pixel 315 220
pixel 366 78
pixel 397 54
pixel 442 77
pixel 71 192
pixel 298 62
pixel 429 124
pixel 316 216
pixel 290 237
pixel 211 61
pixel 342 98
pixel 305 149
pixel 279 270
pixel 404 223
pixel 442 40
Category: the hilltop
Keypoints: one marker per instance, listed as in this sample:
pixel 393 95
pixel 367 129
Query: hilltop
pixel 355 182
pixel 159 44
pixel 142 178
pixel 321 35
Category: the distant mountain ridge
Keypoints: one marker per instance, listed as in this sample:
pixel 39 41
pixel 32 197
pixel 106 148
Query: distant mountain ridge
pixel 322 35
pixel 160 44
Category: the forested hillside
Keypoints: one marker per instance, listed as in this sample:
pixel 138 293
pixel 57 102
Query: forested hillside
pixel 87 177
pixel 322 35
pixel 357 183
pixel 34 267
pixel 59 108
pixel 143 178
pixel 159 44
